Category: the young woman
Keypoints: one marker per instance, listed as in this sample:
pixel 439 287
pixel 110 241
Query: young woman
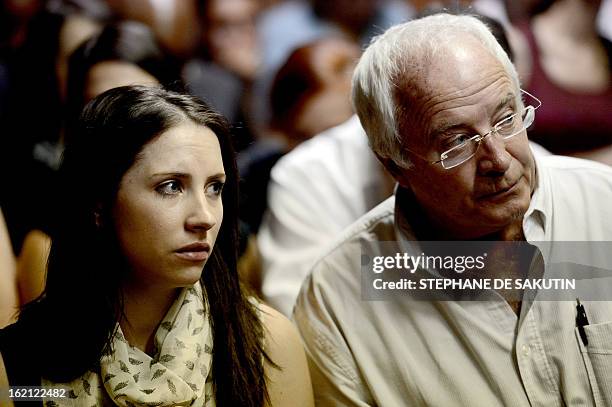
pixel 142 304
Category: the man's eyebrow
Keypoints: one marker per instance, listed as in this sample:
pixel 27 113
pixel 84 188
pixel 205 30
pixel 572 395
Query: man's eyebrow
pixel 445 128
pixel 507 100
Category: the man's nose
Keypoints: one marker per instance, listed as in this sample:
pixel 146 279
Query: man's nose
pixel 200 216
pixel 493 156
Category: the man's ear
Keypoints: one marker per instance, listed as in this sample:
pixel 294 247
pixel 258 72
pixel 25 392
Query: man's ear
pixel 397 172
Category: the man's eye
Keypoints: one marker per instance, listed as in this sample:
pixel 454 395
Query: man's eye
pixel 456 140
pixel 169 188
pixel 507 122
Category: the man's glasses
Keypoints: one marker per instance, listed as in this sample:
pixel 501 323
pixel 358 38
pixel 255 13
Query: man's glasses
pixel 506 128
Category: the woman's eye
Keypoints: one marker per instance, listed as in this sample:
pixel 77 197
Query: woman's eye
pixel 215 188
pixel 169 188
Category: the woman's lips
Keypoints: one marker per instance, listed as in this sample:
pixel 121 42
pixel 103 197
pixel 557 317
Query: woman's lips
pixel 196 252
pixel 193 256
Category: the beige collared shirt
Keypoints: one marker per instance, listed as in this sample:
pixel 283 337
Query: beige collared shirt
pixel 470 353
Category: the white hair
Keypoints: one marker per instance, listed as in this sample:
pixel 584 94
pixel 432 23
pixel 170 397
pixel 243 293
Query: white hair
pixel 402 52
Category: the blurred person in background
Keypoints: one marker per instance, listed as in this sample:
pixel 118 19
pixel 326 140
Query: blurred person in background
pixel 310 94
pixel 314 192
pixel 34 45
pixel 292 23
pixel 31 116
pixel 227 59
pixel 174 22
pixel 568 64
pixel 123 53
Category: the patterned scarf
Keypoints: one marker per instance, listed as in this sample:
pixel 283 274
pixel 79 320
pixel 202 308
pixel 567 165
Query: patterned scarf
pixel 178 375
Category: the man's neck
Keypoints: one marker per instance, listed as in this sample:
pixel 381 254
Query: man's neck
pixel 511 233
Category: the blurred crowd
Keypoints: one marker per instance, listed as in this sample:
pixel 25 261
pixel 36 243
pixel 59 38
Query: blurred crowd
pixel 280 71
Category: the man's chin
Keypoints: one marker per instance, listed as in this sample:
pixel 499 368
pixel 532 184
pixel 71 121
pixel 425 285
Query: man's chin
pixel 500 217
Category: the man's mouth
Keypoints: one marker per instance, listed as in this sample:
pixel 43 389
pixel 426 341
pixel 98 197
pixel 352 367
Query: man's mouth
pixel 500 192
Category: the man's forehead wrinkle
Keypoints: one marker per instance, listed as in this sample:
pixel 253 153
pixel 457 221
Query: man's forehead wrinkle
pixel 459 95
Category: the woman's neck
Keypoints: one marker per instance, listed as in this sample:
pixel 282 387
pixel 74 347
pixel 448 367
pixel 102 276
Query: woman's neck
pixel 144 309
pixel 576 19
pixel 571 53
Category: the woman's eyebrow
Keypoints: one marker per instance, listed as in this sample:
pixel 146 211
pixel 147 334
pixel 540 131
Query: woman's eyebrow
pixel 182 175
pixel 174 174
pixel 219 177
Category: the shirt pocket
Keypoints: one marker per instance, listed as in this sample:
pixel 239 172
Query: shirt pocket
pixel 597 357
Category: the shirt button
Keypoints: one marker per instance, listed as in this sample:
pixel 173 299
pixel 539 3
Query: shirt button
pixel 525 350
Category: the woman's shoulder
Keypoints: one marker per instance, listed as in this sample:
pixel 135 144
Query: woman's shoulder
pixel 278 329
pixel 289 382
pixel 276 326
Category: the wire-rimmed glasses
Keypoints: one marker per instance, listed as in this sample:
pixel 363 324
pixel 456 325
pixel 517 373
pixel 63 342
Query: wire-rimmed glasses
pixel 506 128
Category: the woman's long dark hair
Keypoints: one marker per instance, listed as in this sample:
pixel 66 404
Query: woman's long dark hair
pixel 78 312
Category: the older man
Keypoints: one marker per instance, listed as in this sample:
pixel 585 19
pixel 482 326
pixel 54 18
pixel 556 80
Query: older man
pixel 441 104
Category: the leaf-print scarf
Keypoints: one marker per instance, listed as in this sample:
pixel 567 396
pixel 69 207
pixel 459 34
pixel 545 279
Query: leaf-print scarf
pixel 178 375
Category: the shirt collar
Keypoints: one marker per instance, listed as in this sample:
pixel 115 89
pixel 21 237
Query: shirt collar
pixel 536 222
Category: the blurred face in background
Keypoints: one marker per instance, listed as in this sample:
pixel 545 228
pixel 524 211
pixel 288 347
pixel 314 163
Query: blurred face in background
pixel 334 61
pixel 230 35
pixel 112 74
pixel 322 111
pixel 312 90
pixel 174 22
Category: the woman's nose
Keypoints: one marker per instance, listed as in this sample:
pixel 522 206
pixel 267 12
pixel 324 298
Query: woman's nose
pixel 201 214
